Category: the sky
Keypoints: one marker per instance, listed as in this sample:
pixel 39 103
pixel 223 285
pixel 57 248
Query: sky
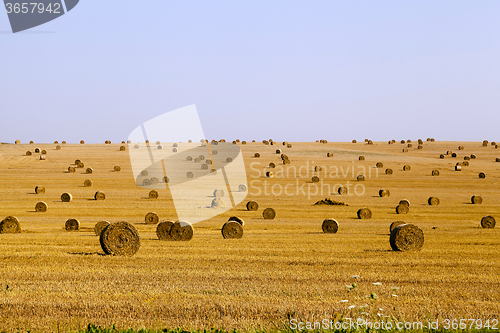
pixel 260 69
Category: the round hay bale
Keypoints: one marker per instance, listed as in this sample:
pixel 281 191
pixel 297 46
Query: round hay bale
pixel 64 142
pixel 388 171
pixel 405 150
pixel 166 179
pixel 153 194
pixel 354 141
pixel 197 160
pixel 458 167
pixel 420 141
pixel 71 169
pixel 158 142
pixel 99 195
pixel 232 230
pixel 78 162
pixel 488 222
pixel 364 213
pixel 72 225
pixel 361 158
pixel 472 156
pixel 432 139
pixel 466 158
pixel 204 167
pixel 384 193
pixel 330 226
pixel 58 147
pixel 66 197
pixel 42 157
pixel 460 147
pixel 395 224
pixel 32 142
pixel 214 152
pixel 410 145
pixel 269 174
pixel 146 182
pixel 80 165
pixel 39 189
pixel 403 141
pixel 269 214
pixel 120 239
pixel 17 142
pixel 435 172
pixel 10 225
pixel 402 209
pixel 433 201
pixel 189 174
pixel 420 147
pixel 315 179
pixel 99 227
pixel 493 143
pixel 189 158
pixel 237 219
pixel 242 188
pixel 360 178
pixel 272 165
pixel 229 160
pixel 181 231
pixel 117 168
pixel 482 175
pixel 252 206
pixel 159 147
pixel 370 142
pixel 151 218
pixel 407 237
pixel 37 150
pixel 404 202
pixel 441 156
pixel 342 190
pixel 379 165
pixel 476 199
pixel 163 230
pixel 286 161
pixel 41 207
pixel 278 151
pixel 136 146
pixel 218 202
pixel 318 168
pixel 122 148
pixel 453 154
pixel 82 142
pixel 154 181
pixel 218 193
pixel 289 145
pixel 497 159
pixel 201 157
pixel 243 142
pixel 28 153
pixel 406 168
pixel 89 171
pixel 209 162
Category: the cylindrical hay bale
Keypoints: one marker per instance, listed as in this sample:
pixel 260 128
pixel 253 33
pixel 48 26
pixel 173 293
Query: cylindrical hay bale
pixel 433 201
pixel 10 225
pixel 403 141
pixel 435 172
pixel 488 222
pixel 269 214
pixel 410 145
pixel 28 153
pixel 256 155
pixel 272 165
pixel 159 147
pixel 379 165
pixel 99 195
pixel 364 213
pixel 388 171
pixel 361 158
pixel 39 189
pixel 204 167
pixel 330 226
pixel 242 188
pixel 458 168
pixel 420 147
pixel 42 157
pixel 318 168
pixel 366 140
pixel 122 148
pixel 315 179
pixel 32 142
pixel 252 206
pixel 453 154
pixel 229 160
pixel 432 139
pixel 120 239
pixel 99 227
pixel 354 141
pixel 406 168
pixel 89 171
pixel 151 218
pixel 493 143
pixel 395 224
pixel 166 180
pixel 360 178
pixel 243 142
pixel 197 160
pixel 41 207
pixel 82 142
pixel 420 141
pixel 71 169
pixel 476 199
pixel 402 209
pixel 237 219
pixel 405 150
pixel 407 237
pixel 146 182
pixel 153 194
pixel 441 156
pixel 58 147
pixel 182 231
pixel 136 146
pixel 482 175
pixel 286 161
pixel 269 174
pixel 117 168
pixel 190 174
pixel 80 165
pixel 473 156
pixel 64 142
pixel 201 157
pixel 370 142
pixel 384 193
pixel 289 145
pixel 278 151
pixel 466 158
pixel 37 150
pixel 17 142
pixel 404 202
pixel 232 230
pixel 218 193
pixel 72 225
pixel 497 159
pixel 342 190
pixel 329 154
pixel 460 147
pixel 163 230
pixel 66 197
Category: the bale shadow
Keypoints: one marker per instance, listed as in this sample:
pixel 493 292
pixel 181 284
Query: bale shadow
pixel 87 253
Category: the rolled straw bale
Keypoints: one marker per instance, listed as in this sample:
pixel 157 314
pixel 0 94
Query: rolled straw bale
pixel 342 190
pixel 242 188
pixel 278 151
pixel 364 213
pixel 229 160
pixel 154 181
pixel 41 207
pixel 404 202
pixel 99 195
pixel 99 227
pixel 72 225
pixel 315 179
pixel 379 165
pixel 64 142
pixel 482 175
pixel 232 230
pixel 71 169
pixel 330 226
pixel 166 179
pixel 453 154
pixel 354 141
pixel 37 150
pixel 388 171
pixel 89 170
pixel 120 239
pixel 151 218
pixel 472 156
pixel 58 147
pixel 17 142
pixel 435 172
pixel 476 199
pixel 420 147
pixel 409 145
pixel 329 154
pixel 269 214
pixel 66 197
pixel 252 206
pixel 441 156
pixel 402 209
pixel 458 167
pixel 153 194
pixel 218 193
pixel 122 148
pixel 407 237
pixel 497 159
pixel 10 225
pixel 420 141
pixel 272 165
pixel 204 167
pixel 433 201
pixel 82 142
pixel 28 153
pixel 406 168
pixel 460 147
pixel 384 193
pixel 163 230
pixel 403 141
pixel 269 174
pixel 289 145
pixel 80 165
pixel 146 182
pixel 256 155
pixel 39 189
pixel 182 231
pixel 237 219
pixel 370 142
pixel 360 178
pixel 395 224
pixel 361 158
pixel 31 142
pixel 117 168
pixel 43 152
pixel 488 222
pixel 197 160
pixel 466 158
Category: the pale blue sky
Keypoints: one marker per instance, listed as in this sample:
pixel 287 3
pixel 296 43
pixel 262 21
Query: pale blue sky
pixel 287 70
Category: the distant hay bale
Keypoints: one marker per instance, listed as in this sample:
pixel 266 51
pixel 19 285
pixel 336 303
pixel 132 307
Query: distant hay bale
pixel 80 165
pixel 458 167
pixel 435 172
pixel 286 161
pixel 144 173
pixel 242 188
pixel 71 169
pixel 243 142
pixel 402 209
pixel 405 150
pixel 28 153
pixel 122 148
pixel 270 174
pixel 163 230
pixel 107 142
pixel 476 199
pixel 364 213
pixel 99 195
pixel 409 145
pixel 159 147
pixel 17 142
pixel 10 225
pixel 218 193
pixel 204 167
pixel 117 168
pixel 466 158
pixel 66 197
pixel 174 150
pixel 406 168
pixel 272 165
pixel 361 158
pixel 136 146
pixel 197 160
pixel 37 150
pixel 232 230
pixel 342 190
pixel 453 154
pixel 379 165
pixel 408 140
pixel 488 222
pixel 388 171
pixel 43 152
pixel 146 182
pixel 154 181
pixel 153 194
pixel 482 175
pixel 42 157
pixel 420 141
pixel 472 156
pixel 433 201
pixel 428 139
pixel 182 231
pixel 384 193
pixel 82 142
pixel 354 141
pixel 166 179
pixel 229 160
pixel 366 140
pixel 41 207
pixel 493 143
pixel 395 224
pixel 158 142
pixel 151 218
pixel 39 189
pixel 58 147
pixel 497 159
pixel 218 202
pixel 99 227
pixel 31 142
pixel 189 158
pixel 403 141
pixel 318 168
pixel 460 147
pixel 432 139
pixel 315 179
pixel 201 157
pixel 330 226
pixel 64 142
pixel 214 152
pixel 404 202
pixel 370 142
pixel 72 225
pixel 329 154
pixel 441 156
pixel 237 219
pixel 360 178
pixel 89 171
pixel 120 239
pixel 289 145
pixel 252 206
pixel 124 142
pixel 420 147
pixel 269 214
pixel 406 237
